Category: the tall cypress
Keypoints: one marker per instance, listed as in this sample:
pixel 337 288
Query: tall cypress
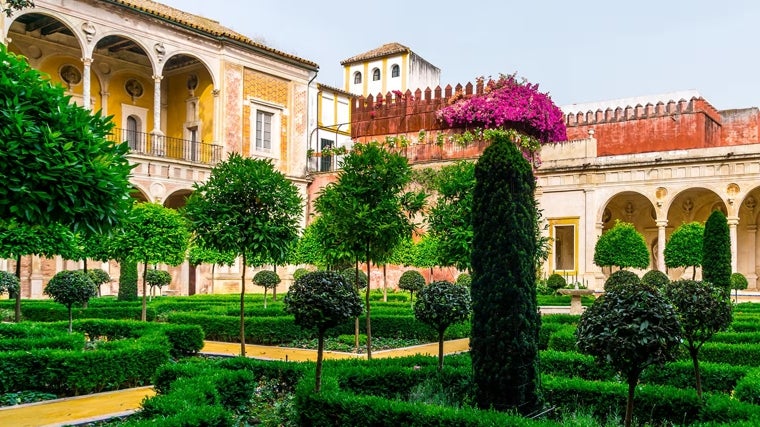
pixel 505 322
pixel 716 252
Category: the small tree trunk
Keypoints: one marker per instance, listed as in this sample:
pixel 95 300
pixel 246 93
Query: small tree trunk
pixel 440 350
pixel 213 270
pixel 385 283
pixel 242 311
pixel 70 318
pixel 144 315
pixel 356 320
pixel 632 380
pixel 320 351
pixel 694 273
pixel 265 297
pixel 18 294
pixel 694 353
pixel 274 288
pixel 369 326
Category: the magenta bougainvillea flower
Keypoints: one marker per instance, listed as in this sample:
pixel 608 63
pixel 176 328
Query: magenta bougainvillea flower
pixel 508 104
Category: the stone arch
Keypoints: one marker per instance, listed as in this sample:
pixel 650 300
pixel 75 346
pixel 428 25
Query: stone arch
pixel 177 199
pixel 183 59
pixel 37 18
pixel 139 194
pixel 747 251
pixel 116 44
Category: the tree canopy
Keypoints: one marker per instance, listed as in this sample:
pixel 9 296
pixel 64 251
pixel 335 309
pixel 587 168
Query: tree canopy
pixel 716 251
pixel 450 218
pixel 621 246
pixel 440 305
pixel 684 248
pixel 69 288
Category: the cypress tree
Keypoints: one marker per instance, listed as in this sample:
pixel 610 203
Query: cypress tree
pixel 128 281
pixel 716 252
pixel 505 322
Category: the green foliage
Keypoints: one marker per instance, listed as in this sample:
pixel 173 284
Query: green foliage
pixel 321 300
pixel 450 219
pixel 57 167
pixel 153 234
pixel 441 304
pixel 738 281
pixel 426 252
pixel 199 254
pixel 299 273
pixel 655 279
pixel 684 248
pixel 748 388
pixel 556 282
pixel 505 322
pixel 703 310
pixel 621 246
pixel 315 247
pixel 267 279
pixel 128 281
pixel 158 278
pixel 630 328
pixel 14 5
pixel 247 208
pixel 350 275
pixel 716 252
pixel 621 278
pixel 9 283
pixel 98 276
pixel 69 288
pixel 411 280
pixel 464 279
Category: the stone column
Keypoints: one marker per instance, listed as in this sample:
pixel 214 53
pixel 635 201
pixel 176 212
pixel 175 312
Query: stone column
pixel 217 125
pixel 86 83
pixel 752 259
pixel 157 136
pixel 733 222
pixel 104 103
pixel 661 225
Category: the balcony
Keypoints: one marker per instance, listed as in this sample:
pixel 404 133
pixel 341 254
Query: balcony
pixel 167 147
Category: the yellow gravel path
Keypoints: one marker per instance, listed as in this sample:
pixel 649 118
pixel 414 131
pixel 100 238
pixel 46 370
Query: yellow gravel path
pixel 110 404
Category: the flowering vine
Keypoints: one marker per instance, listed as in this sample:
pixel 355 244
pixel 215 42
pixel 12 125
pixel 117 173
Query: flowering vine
pixel 508 104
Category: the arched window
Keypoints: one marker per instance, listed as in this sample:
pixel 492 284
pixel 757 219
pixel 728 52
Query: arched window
pixel 357 78
pixel 376 74
pixel 395 70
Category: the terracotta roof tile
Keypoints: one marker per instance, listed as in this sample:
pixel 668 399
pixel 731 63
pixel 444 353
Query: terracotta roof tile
pixel 335 89
pixel 384 50
pixel 202 24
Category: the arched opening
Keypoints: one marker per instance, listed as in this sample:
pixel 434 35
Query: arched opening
pixel 357 78
pixel 395 70
pixel 376 74
pixel 636 209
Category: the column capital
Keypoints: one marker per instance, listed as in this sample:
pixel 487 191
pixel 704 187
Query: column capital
pixel 87 61
pixel 733 220
pixel 662 222
pixel 157 78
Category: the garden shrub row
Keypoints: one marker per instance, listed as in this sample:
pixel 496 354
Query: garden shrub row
pixel 128 357
pixel 282 329
pixel 48 311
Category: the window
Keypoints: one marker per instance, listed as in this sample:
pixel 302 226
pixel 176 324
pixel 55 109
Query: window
pixel 564 247
pixel 325 162
pixel 263 131
pixel 265 128
pixel 395 70
pixel 357 78
pixel 376 74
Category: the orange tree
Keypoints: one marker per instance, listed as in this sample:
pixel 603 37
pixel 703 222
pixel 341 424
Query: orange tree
pixel 249 209
pixel 684 248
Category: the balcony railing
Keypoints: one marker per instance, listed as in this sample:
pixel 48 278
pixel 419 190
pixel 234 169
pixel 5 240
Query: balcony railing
pixel 171 148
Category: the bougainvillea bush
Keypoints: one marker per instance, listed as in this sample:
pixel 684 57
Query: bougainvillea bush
pixel 509 104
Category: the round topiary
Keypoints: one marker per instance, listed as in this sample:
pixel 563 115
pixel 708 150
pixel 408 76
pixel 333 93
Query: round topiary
pixel 98 277
pixel 440 305
pixel 738 282
pixel 158 278
pixel 556 282
pixel 464 279
pixel 69 288
pixel 267 279
pixel 299 272
pixel 655 278
pixel 9 283
pixel 350 275
pixel 622 278
pixel 411 280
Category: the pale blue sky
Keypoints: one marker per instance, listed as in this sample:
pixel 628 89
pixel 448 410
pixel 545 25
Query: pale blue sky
pixel 578 51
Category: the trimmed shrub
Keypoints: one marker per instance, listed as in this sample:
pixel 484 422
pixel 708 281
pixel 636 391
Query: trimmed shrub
pixel 655 279
pixel 157 278
pixel 621 278
pixel 464 279
pixel 267 279
pixel 9 283
pixel 69 288
pixel 128 281
pixel 98 277
pixel 412 281
pixel 716 253
pixel 748 388
pixel 350 275
pixel 738 283
pixel 556 282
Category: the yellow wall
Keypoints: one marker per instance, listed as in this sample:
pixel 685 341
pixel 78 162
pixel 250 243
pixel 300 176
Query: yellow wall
pixel 177 115
pixel 117 95
pixel 268 88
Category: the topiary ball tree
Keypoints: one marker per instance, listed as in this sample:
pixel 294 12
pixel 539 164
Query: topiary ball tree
pixel 98 277
pixel 630 328
pixel 321 300
pixel 716 252
pixel 505 320
pixel 350 275
pixel 656 279
pixel 157 279
pixel 703 309
pixel 738 283
pixel 9 283
pixel 412 281
pixel 555 282
pixel 267 279
pixel 621 246
pixel 69 288
pixel 440 305
pixel 684 248
pixel 621 278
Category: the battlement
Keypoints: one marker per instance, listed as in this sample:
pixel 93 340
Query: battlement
pixel 669 108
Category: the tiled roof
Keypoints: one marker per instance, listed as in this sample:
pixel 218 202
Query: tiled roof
pixel 204 25
pixel 384 50
pixel 336 90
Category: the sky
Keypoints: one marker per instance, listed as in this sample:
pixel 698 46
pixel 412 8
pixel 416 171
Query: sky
pixel 577 51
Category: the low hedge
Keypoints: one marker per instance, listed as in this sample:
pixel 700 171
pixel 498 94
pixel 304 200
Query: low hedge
pixel 49 311
pixel 282 329
pixel 734 354
pixel 563 339
pixel 716 377
pixel 748 388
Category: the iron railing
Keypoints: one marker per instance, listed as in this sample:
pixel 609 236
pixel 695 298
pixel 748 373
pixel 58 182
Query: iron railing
pixel 168 147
